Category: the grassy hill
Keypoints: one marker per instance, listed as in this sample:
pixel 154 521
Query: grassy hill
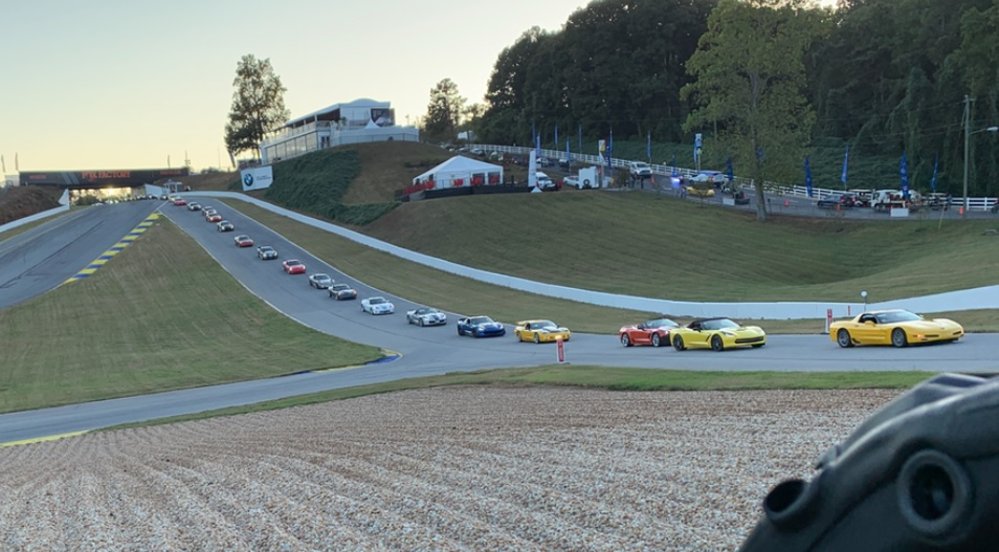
pixel 636 243
pixel 22 201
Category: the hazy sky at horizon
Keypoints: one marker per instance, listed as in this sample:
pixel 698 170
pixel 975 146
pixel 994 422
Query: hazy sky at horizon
pixel 126 84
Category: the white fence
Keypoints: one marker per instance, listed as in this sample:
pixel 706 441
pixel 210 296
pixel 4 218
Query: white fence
pixel 974 203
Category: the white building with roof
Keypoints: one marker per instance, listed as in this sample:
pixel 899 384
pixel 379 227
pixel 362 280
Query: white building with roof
pixel 355 122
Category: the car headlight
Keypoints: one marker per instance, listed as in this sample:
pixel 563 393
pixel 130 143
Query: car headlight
pixel 728 333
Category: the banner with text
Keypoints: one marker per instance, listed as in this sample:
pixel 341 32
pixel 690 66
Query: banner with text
pixel 257 178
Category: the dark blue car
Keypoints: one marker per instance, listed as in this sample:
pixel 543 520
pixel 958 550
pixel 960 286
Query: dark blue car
pixel 480 326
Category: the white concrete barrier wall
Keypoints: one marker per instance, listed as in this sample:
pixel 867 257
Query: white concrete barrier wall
pixel 32 218
pixel 979 298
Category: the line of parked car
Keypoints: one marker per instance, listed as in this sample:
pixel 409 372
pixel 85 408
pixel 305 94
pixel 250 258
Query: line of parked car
pixel 896 327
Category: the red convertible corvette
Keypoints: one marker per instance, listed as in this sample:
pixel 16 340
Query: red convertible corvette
pixel 651 332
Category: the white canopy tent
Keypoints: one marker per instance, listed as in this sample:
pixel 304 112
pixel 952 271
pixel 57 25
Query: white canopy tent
pixel 461 171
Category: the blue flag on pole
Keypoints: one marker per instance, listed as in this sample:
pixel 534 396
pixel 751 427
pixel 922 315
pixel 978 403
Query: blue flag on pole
pixel 903 172
pixel 537 146
pixel 568 156
pixel 846 160
pixel 672 163
pixel 808 176
pixel 610 150
pixel 933 181
pixel 648 146
pixel 556 135
pixel 534 133
pixel 729 170
pixel 579 144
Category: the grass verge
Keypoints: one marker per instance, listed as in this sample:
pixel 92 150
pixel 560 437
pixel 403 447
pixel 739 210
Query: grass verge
pixel 25 227
pixel 440 289
pixel 641 244
pixel 595 377
pixel 161 315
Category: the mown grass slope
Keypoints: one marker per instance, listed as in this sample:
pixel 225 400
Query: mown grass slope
pixel 640 244
pixel 161 315
pixel 317 183
pixel 22 201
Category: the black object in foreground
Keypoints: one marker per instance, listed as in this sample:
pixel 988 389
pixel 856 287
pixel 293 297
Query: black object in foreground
pixel 921 474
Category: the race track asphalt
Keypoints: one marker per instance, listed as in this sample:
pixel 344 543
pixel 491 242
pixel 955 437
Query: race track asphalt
pixel 430 351
pixel 36 261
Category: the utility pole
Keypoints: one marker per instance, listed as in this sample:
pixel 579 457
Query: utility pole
pixel 967 144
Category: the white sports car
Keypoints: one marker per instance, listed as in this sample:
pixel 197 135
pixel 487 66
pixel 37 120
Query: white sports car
pixel 377 305
pixel 426 316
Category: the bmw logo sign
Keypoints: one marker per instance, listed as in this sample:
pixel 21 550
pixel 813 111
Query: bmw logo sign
pixel 248 180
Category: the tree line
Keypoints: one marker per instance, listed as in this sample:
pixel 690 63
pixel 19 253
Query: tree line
pixel 767 81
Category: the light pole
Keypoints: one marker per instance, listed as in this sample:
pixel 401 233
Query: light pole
pixel 967 143
pixel 863 295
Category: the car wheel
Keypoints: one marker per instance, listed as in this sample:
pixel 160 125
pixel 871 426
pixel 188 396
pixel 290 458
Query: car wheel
pixel 625 341
pixel 843 338
pixel 459 331
pixel 537 339
pixel 716 343
pixel 898 338
pixel 678 343
pixel 655 340
pixel 421 323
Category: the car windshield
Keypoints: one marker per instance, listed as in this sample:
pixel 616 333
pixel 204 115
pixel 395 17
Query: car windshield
pixel 321 276
pixel 267 249
pixel 224 222
pixel 660 323
pixel 718 324
pixel 480 320
pixel 340 287
pixel 293 263
pixel 897 316
pixel 545 324
pixel 376 301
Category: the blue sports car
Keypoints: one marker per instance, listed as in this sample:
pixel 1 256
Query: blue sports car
pixel 480 326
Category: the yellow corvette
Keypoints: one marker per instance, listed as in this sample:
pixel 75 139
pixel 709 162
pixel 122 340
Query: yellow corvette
pixel 893 327
pixel 717 334
pixel 540 331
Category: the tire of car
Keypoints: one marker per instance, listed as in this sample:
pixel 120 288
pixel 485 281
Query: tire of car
pixel 716 343
pixel 843 338
pixel 678 343
pixel 898 338
pixel 655 340
pixel 459 330
pixel 625 341
pixel 421 322
pixel 537 339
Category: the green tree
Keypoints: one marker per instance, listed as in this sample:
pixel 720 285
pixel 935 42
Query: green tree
pixel 750 80
pixel 257 105
pixel 444 112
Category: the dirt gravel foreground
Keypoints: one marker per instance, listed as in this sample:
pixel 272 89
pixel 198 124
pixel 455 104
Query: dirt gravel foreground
pixel 473 468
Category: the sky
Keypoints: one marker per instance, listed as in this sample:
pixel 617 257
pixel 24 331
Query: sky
pixel 109 84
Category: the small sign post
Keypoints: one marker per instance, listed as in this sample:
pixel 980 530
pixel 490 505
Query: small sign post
pixel 829 319
pixel 560 350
